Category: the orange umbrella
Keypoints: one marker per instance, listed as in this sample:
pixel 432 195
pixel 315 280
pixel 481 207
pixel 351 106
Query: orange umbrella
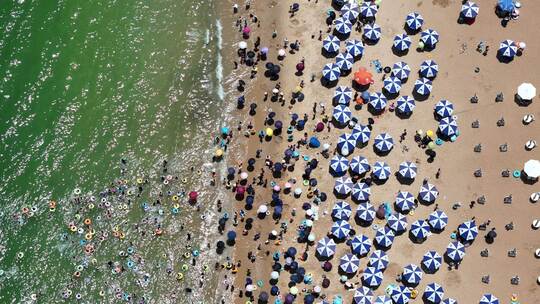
pixel 363 77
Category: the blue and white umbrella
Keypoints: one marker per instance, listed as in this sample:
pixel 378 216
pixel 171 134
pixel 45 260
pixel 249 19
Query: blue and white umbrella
pixel 488 299
pixel 404 201
pixel 365 212
pixel 508 49
pixel 401 70
pixel 402 42
pixel 381 170
pixel 432 261
pixel 379 260
pixel 429 37
pixel 342 114
pixel 392 85
pixel 372 277
pixel 438 220
pixel 429 68
pixel 361 191
pixel 326 247
pixel 359 165
pixel 397 222
pixel 372 32
pixel 384 142
pixel 400 294
pixel 384 237
pixel 349 263
pixel 449 301
pixel 343 185
pixel 346 144
pixel 469 10
pixel 362 295
pixel 412 274
pixel 355 47
pixel 467 231
pixel 420 229
pixel 350 11
pixel 384 299
pixel 331 72
pixel 428 193
pixel 444 108
pixel 341 211
pixel 405 104
pixel 455 251
pixel 423 86
pixel 434 293
pixel 341 229
pixel 378 101
pixel 343 26
pixel 339 164
pixel 408 169
pixel 414 21
pixel 345 61
pixel 331 44
pixel 360 244
pixel 368 9
pixel 343 95
pixel 448 127
pixel 361 133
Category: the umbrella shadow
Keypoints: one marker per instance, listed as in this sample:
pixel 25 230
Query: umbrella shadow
pixel 414 239
pixel 369 41
pixel 361 222
pixel 521 102
pixel 381 153
pixel 419 97
pixel 377 181
pixel 380 247
pixel 390 96
pixel 527 180
pixel 410 31
pixel 402 115
pixel 327 54
pixel 427 270
pixel 423 202
pixel 327 83
pixel 341 36
pixel 374 111
pixel 504 59
pixel 358 87
pixel 399 53
pixel 403 180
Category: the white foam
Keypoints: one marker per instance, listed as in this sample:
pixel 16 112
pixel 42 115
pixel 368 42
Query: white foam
pixel 219 65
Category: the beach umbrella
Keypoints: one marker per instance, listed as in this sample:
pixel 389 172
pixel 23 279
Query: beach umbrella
pixel 489 299
pixel 342 114
pixel 378 259
pixel 368 9
pixel 526 91
pixel 363 77
pixel 469 10
pixel 383 142
pixel 432 261
pixel 343 95
pixel 429 68
pixel 423 86
pixel 402 42
pixel 468 231
pixel 428 193
pixel 506 5
pixel 378 101
pixel 343 26
pixel 343 185
pixel 397 222
pixel 365 212
pixel 532 168
pixel 438 220
pixel 341 211
pixel 448 126
pixel 384 299
pixel 349 263
pixel 420 229
pixel 339 164
pixel 449 301
pixel 346 144
pixel 372 32
pixel 345 61
pixel 372 277
pixel 354 47
pixel 362 295
pixel 429 37
pixel 350 11
pixel 384 237
pixel 326 247
pixel 331 72
pixel 444 108
pixel 405 104
pixel 361 133
pixel 242 45
pixel 331 44
pixel 407 169
pixel 360 244
pixel 455 251
pixel 392 85
pixel 414 21
pixel 340 229
pixel 508 49
pixel 434 293
pixel 381 170
pixel 400 294
pixel 401 70
pixel 404 201
pixel 361 191
pixel 412 274
pixel 359 165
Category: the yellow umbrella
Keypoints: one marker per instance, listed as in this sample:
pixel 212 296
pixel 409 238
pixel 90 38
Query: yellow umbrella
pixel 219 153
pixel 269 132
pixel 430 133
pixel 298 89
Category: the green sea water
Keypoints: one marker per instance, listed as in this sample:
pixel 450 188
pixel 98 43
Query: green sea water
pixel 84 84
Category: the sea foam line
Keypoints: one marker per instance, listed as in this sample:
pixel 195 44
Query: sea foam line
pixel 219 66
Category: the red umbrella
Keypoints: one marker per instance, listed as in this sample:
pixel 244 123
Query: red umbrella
pixel 193 195
pixel 363 77
pixel 240 190
pixel 300 66
pixel 319 127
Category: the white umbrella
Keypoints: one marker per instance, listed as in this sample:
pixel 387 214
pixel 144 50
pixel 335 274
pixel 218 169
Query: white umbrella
pixel 526 91
pixel 242 45
pixel 262 209
pixel 532 168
